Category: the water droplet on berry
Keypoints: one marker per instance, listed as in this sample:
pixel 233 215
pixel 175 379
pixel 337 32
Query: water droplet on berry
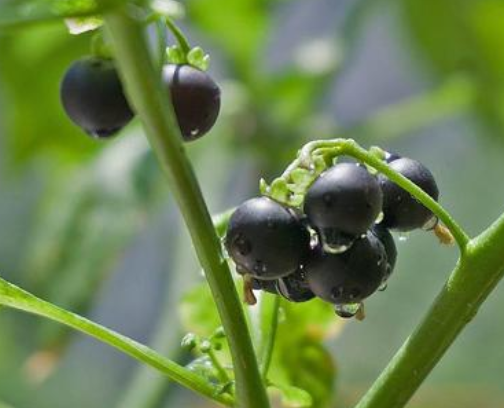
pixel 430 224
pixel 334 242
pixel 348 310
pixel 242 245
pixel 194 132
pixel 259 267
pixel 383 287
pixel 379 218
pixel 403 236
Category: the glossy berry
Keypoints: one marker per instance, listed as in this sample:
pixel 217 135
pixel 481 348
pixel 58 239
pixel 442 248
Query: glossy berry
pixel 266 239
pixel 269 286
pixel 387 240
pixel 195 98
pixel 346 200
pixel 401 211
pixel 348 277
pixel 92 96
pixel 294 287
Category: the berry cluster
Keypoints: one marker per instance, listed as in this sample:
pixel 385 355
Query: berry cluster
pixel 338 246
pixel 93 98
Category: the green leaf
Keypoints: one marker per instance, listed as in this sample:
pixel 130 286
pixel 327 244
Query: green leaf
pixel 197 58
pixel 279 190
pixel 18 12
pixel 220 20
pixel 198 311
pixel 293 397
pixel 79 25
pixel 304 328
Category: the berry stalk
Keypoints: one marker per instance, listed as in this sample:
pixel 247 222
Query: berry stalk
pixel 147 95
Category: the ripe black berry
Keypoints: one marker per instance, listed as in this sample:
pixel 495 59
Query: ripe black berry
pixel 266 239
pixel 195 98
pixel 387 240
pixel 92 96
pixel 294 287
pixel 401 211
pixel 348 277
pixel 269 286
pixel 343 201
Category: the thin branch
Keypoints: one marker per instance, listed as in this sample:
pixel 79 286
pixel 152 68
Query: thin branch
pixel 149 97
pixel 16 298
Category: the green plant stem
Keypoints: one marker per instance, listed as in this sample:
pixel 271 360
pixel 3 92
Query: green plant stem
pixel 149 97
pixel 221 371
pixel 179 35
pixel 336 147
pixel 353 149
pixel 477 273
pixel 16 298
pixel 270 305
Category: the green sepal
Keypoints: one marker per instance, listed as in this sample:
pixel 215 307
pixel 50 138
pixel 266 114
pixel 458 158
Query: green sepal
pixel 198 59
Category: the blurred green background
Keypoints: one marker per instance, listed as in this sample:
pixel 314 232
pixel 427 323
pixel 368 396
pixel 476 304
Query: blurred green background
pixel 91 225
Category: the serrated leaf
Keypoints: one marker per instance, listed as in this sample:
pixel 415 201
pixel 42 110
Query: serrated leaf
pixel 279 190
pixel 293 397
pixel 174 55
pixel 197 58
pixel 263 187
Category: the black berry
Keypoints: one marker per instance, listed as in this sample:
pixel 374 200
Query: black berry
pixel 92 96
pixel 266 240
pixel 269 286
pixel 295 287
pixel 348 277
pixel 195 98
pixel 401 210
pixel 387 240
pixel 345 200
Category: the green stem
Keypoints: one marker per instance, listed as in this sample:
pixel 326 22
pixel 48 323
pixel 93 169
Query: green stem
pixel 336 147
pixel 16 298
pixel 270 305
pixel 353 149
pixel 151 102
pixel 477 273
pixel 179 35
pixel 221 371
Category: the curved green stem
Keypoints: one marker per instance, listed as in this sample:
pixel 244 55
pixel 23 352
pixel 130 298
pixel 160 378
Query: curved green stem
pixel 477 273
pixel 353 149
pixel 270 305
pixel 329 149
pixel 221 371
pixel 150 99
pixel 179 35
pixel 16 298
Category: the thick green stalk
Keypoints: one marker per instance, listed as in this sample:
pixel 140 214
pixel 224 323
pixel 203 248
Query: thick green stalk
pixel 16 298
pixel 478 271
pixel 150 100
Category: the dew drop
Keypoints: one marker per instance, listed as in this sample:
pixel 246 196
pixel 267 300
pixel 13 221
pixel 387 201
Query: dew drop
pixel 348 310
pixel 243 245
pixel 334 242
pixel 259 267
pixel 380 217
pixel 403 236
pixel 430 224
pixel 383 287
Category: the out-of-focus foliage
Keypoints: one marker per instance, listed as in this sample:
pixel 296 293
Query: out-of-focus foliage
pixel 95 197
pixel 463 37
